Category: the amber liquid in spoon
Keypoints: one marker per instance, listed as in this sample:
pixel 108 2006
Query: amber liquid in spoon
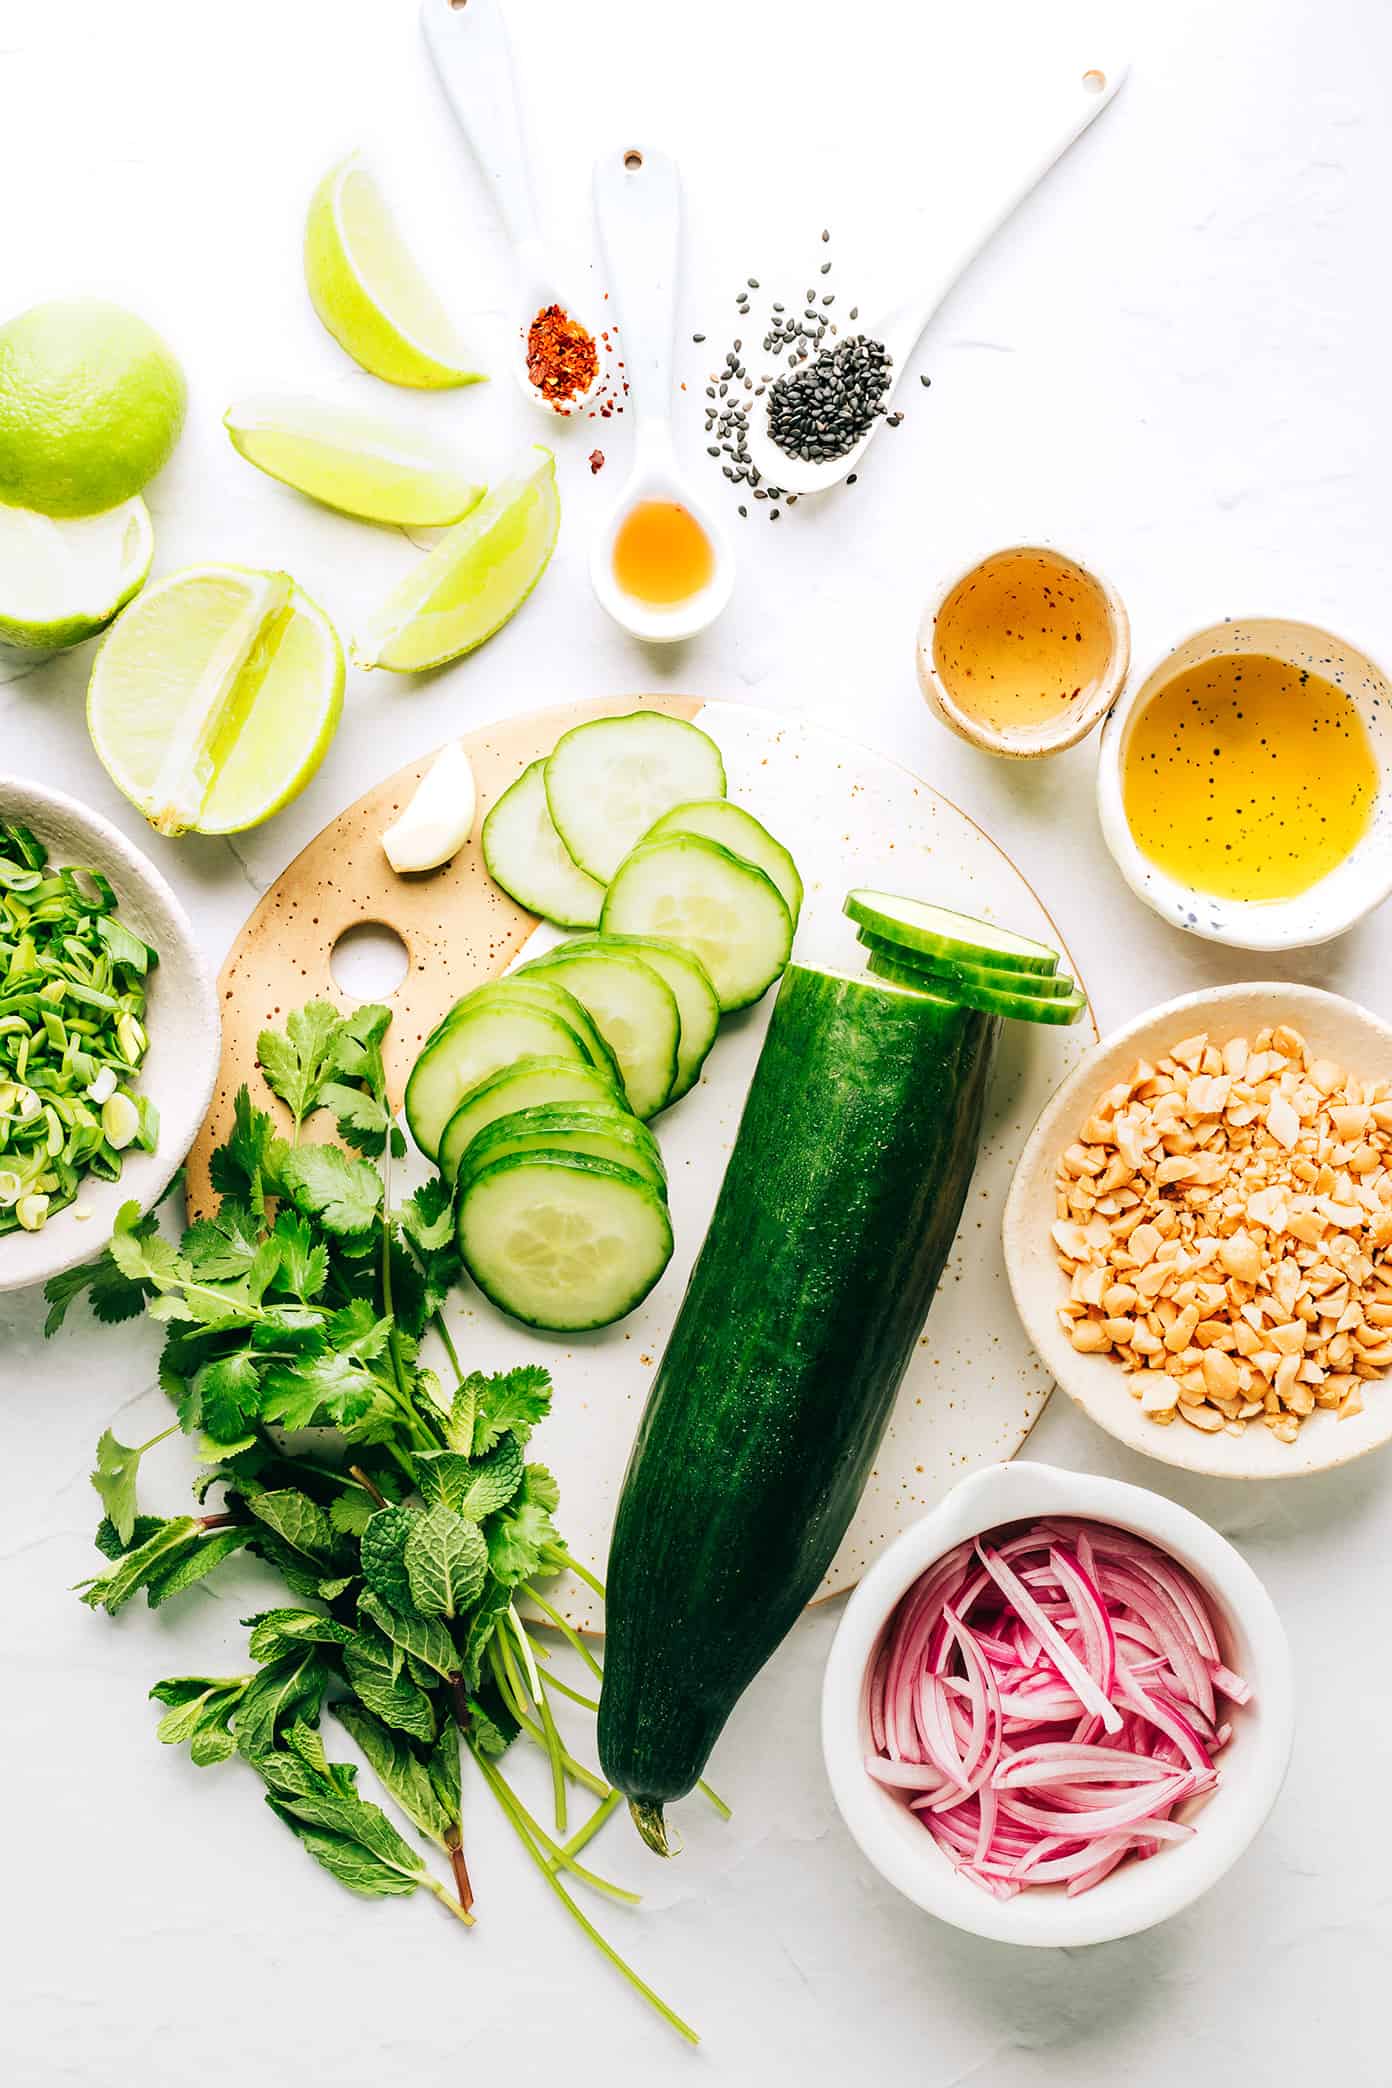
pixel 661 554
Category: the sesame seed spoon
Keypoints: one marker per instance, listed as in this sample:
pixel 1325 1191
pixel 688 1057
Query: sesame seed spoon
pixel 1063 104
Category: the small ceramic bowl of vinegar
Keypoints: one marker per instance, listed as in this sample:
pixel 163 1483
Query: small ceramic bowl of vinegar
pixel 1243 787
pixel 1023 651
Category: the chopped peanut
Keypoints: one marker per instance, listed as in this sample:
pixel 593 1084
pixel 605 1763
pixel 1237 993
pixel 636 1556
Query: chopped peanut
pixel 1223 1218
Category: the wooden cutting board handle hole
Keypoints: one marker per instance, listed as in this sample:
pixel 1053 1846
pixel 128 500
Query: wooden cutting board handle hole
pixel 369 961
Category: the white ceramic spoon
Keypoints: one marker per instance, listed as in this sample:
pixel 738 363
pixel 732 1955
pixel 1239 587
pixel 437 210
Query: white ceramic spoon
pixel 638 206
pixel 1062 105
pixel 468 42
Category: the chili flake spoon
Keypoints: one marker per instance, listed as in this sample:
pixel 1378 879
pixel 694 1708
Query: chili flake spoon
pixel 468 42
pixel 638 206
pixel 830 407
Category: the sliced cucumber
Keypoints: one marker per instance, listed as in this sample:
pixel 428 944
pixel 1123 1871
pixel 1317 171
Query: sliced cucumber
pixel 692 891
pixel 634 1010
pixel 608 781
pixel 739 831
pixel 935 931
pixel 697 1003
pixel 1003 1000
pixel 943 971
pixel 525 1085
pixel 551 995
pixel 607 1133
pixel 526 856
pixel 480 1040
pixel 562 1240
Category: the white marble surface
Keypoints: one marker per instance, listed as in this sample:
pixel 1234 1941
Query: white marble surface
pixel 1174 361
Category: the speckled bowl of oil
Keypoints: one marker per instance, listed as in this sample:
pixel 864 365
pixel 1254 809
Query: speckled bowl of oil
pixel 1023 652
pixel 1243 786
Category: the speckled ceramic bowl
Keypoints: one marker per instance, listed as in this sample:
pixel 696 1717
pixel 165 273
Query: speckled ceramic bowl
pixel 182 1022
pixel 1073 723
pixel 1359 883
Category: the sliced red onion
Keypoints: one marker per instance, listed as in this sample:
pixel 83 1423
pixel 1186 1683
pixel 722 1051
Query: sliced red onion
pixel 1065 1662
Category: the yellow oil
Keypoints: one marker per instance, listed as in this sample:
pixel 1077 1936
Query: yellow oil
pixel 1248 778
pixel 1022 639
pixel 661 553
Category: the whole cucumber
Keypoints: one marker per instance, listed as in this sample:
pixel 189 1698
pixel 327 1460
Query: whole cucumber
pixel 837 1213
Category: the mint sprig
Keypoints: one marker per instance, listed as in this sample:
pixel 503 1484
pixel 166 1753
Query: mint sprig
pixel 404 1532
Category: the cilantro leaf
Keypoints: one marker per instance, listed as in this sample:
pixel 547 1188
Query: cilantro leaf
pixel 492 1604
pixel 304 1261
pixel 111 1296
pixel 359 1044
pixel 352 1511
pixel 298 1060
pixel 324 1182
pixel 226 1245
pixel 114 1479
pixel 446 1560
pixel 330 1387
pixel 518 1537
pixel 246 1164
pixel 511 1402
pixel 224 1395
pixel 142 1254
pixel 363 1119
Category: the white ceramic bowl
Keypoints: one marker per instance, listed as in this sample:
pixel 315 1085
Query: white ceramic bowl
pixel 1356 885
pixel 182 1023
pixel 1337 1029
pixel 1136 1895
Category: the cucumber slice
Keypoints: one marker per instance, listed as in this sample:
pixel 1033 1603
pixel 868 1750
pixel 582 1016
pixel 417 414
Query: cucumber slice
pixel 562 1240
pixel 608 781
pixel 694 892
pixel 551 995
pixel 1003 1000
pixel 634 1010
pixel 690 983
pixel 526 856
pixel 739 831
pixel 939 973
pixel 606 1132
pixel 526 1085
pixel 935 931
pixel 480 1040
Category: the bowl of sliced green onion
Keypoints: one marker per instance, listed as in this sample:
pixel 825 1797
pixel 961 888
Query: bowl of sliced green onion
pixel 109 1033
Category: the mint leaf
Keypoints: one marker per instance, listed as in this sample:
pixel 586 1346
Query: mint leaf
pixel 369 1663
pixel 278 1631
pixel 195 1564
pixel 403 1774
pixel 301 1522
pixel 289 1688
pixel 111 1591
pixel 200 1706
pixel 347 1860
pixel 492 1604
pixel 298 1061
pixel 342 1192
pixel 109 1543
pixel 383 1556
pixel 425 1638
pixel 472 1487
pixel 446 1560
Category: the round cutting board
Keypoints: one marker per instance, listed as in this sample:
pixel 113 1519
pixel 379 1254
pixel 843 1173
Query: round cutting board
pixel 975 1386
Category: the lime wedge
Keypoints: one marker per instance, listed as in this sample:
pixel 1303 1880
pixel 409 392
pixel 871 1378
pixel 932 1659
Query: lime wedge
pixel 61 582
pixel 378 469
pixel 368 289
pixel 214 698
pixel 475 578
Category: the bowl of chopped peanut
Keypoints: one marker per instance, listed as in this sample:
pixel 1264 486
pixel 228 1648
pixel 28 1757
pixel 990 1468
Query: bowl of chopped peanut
pixel 1199 1232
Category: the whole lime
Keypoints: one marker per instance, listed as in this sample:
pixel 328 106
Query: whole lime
pixel 91 404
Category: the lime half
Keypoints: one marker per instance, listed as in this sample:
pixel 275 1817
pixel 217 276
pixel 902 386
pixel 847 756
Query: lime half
pixel 91 404
pixel 368 288
pixel 214 698
pixel 61 582
pixel 475 578
pixel 355 462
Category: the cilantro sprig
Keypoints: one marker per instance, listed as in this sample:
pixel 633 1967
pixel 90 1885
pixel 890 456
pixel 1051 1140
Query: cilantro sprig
pixel 408 1529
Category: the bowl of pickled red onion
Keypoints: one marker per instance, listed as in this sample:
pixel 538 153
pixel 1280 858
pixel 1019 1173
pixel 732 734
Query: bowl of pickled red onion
pixel 1058 1709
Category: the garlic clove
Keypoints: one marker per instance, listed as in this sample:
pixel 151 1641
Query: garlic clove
pixel 440 817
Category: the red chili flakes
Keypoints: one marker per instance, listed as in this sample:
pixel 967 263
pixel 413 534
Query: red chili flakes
pixel 561 357
pixel 596 460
